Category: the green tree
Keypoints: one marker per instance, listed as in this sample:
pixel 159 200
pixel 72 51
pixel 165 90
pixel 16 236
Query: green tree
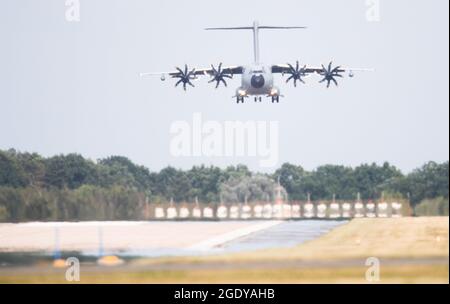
pixel 244 188
pixel 294 179
pixel 69 171
pixel 429 181
pixel 11 173
pixel 372 180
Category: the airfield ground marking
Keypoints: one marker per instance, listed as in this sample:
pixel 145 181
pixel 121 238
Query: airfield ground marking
pixel 235 234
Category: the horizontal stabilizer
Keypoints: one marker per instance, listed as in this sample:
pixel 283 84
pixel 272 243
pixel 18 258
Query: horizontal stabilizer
pixel 259 27
pixel 255 28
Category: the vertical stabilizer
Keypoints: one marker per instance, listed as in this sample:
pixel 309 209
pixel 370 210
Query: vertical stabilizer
pixel 256 41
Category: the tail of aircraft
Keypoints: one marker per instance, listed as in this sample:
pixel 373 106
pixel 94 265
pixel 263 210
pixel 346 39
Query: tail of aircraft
pixel 256 27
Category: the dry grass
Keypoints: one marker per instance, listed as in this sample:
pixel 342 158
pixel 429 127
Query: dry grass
pixel 389 274
pixel 426 237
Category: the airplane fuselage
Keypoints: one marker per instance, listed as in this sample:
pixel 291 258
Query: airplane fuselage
pixel 257 80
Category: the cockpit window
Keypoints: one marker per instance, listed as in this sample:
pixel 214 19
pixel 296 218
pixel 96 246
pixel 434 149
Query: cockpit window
pixel 257 71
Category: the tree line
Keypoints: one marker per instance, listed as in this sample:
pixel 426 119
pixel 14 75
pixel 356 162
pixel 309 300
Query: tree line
pixel 71 187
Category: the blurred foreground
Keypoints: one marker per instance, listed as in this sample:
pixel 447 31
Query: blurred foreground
pixel 410 250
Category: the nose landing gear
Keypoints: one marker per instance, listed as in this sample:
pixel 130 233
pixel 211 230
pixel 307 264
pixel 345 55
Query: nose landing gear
pixel 258 99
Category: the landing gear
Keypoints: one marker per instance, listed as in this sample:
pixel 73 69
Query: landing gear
pixel 275 98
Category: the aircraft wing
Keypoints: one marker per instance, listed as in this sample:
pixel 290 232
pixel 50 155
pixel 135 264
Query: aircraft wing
pixel 230 70
pixel 328 72
pixel 286 69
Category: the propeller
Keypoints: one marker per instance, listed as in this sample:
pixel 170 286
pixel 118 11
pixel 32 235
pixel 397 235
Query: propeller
pixel 296 73
pixel 329 74
pixel 219 75
pixel 184 77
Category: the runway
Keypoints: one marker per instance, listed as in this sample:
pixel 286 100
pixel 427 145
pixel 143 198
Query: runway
pixel 156 239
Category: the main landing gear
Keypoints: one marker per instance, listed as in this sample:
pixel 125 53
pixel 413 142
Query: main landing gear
pixel 240 99
pixel 275 98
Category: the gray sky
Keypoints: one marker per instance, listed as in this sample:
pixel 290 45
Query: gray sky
pixel 74 86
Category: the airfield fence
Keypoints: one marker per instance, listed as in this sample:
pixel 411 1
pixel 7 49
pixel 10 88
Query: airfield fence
pixel 295 210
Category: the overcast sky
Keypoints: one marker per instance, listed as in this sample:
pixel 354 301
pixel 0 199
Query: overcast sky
pixel 74 86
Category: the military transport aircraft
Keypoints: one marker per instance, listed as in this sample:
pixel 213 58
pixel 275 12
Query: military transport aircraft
pixel 258 78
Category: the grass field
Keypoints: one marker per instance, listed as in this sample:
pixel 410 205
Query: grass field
pixel 421 237
pixel 410 250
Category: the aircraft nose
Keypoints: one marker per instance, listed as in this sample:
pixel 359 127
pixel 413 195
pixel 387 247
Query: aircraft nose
pixel 258 81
